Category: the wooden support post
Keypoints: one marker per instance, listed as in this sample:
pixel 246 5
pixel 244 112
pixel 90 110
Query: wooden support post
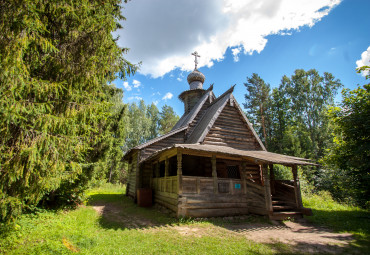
pixel 266 180
pixel 179 172
pixel 214 174
pixel 137 186
pixel 272 179
pixel 297 188
pixel 166 167
pixel 244 176
pixel 157 170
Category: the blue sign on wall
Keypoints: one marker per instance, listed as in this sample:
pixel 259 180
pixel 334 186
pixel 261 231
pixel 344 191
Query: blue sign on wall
pixel 237 185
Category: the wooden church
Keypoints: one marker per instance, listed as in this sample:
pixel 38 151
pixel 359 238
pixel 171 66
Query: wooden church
pixel 212 163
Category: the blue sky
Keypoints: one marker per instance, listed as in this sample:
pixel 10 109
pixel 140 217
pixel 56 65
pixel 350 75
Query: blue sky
pixel 271 40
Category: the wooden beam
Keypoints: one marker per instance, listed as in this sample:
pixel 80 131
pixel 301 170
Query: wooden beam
pixel 272 179
pixel 214 174
pixel 297 188
pixel 179 172
pixel 266 180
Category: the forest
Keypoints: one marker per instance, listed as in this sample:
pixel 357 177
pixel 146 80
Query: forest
pixel 64 126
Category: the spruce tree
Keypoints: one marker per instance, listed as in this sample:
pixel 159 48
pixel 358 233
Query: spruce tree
pixel 56 59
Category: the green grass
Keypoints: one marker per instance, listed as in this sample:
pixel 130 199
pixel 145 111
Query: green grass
pixel 341 218
pixel 124 228
pixel 86 232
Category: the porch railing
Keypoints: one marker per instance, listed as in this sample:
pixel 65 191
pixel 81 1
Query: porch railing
pixel 165 184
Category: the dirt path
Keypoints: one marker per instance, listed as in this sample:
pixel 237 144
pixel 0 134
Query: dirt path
pixel 301 235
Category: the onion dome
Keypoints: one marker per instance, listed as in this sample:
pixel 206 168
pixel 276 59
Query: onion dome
pixel 196 79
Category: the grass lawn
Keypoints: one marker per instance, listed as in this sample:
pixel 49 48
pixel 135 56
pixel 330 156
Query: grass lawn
pixel 84 231
pixel 111 223
pixel 341 218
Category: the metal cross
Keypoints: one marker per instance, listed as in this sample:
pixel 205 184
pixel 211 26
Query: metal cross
pixel 195 54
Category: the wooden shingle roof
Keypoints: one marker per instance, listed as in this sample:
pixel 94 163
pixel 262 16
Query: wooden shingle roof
pixel 263 157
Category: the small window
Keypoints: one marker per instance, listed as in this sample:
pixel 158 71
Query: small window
pixel 233 172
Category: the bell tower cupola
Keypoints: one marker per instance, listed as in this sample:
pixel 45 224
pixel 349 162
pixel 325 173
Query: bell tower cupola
pixel 195 79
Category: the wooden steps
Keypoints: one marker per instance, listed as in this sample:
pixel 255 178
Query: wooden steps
pixel 283 209
pixel 285 215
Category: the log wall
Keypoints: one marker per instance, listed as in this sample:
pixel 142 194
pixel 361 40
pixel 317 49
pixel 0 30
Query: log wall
pixel 230 129
pixel 132 176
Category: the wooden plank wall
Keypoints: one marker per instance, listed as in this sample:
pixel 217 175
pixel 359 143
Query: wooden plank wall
pixel 132 176
pixel 256 198
pixel 200 200
pixel 231 130
pixel 165 191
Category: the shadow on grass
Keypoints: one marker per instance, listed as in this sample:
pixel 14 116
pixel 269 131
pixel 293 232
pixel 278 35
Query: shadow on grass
pixel 356 222
pixel 120 212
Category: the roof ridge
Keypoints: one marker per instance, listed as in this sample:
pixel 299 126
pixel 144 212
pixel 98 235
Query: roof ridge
pixel 230 90
pixel 208 119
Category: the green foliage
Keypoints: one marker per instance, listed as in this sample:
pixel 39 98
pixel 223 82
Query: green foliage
pixel 257 103
pixel 56 59
pixel 348 159
pixel 142 124
pixel 168 119
pixel 292 117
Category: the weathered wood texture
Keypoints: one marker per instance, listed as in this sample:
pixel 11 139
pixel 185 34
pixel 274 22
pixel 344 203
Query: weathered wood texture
pixel 231 130
pixel 146 172
pixel 132 176
pixel 284 190
pixel 165 191
pixel 234 197
pixel 256 198
pixel 200 114
pixel 164 143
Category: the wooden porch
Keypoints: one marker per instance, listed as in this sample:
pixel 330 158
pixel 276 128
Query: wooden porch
pixel 256 191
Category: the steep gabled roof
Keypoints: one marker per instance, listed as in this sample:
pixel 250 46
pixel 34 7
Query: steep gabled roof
pixel 157 139
pixel 187 118
pixel 205 124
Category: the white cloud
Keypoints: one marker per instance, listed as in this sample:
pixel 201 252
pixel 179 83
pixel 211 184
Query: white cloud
pixel 168 95
pixel 236 52
pixel 364 61
pixel 162 34
pixel 126 86
pixel 134 98
pixel 156 93
pixel 136 83
pixel 179 79
pixel 155 102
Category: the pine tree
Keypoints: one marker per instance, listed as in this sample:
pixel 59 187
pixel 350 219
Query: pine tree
pixel 168 119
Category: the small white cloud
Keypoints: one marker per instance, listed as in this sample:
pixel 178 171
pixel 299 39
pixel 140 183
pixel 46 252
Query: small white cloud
pixel 156 94
pixel 155 102
pixel 236 52
pixel 126 86
pixel 136 83
pixel 364 61
pixel 179 79
pixel 168 95
pixel 134 98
